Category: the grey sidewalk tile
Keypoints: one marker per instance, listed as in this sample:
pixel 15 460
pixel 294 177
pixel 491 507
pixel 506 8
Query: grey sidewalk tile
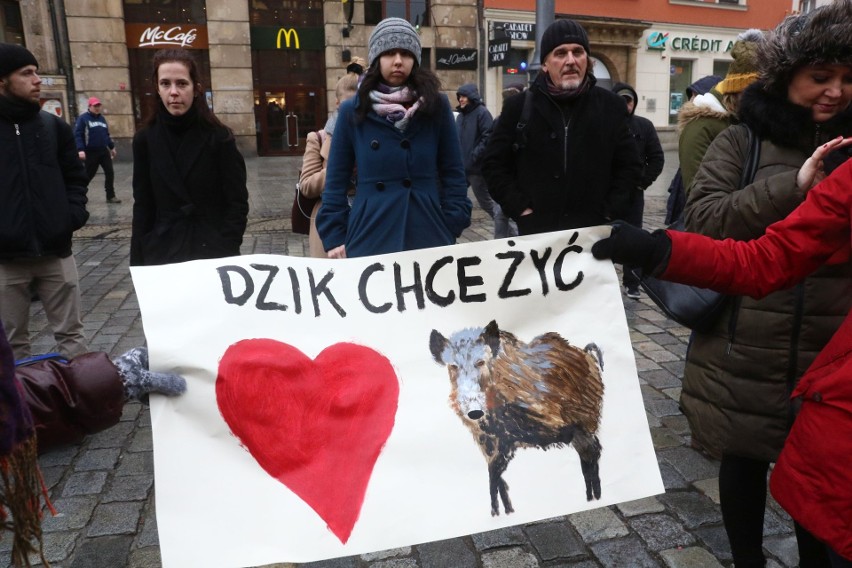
pixel 103 552
pixel 784 548
pixel 499 538
pixel 84 483
pixel 689 463
pixel 129 488
pixel 452 552
pixel 385 554
pixel 693 509
pixel 660 531
pixel 691 557
pixel 598 524
pixel 113 437
pixel 509 558
pixel 104 459
pixel 139 463
pixel 72 513
pixel 555 540
pixel 627 551
pixel 115 519
pixel 716 539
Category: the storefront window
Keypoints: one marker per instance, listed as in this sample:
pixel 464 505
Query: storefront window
pixel 286 13
pixel 720 68
pixel 415 11
pixel 601 73
pixel 165 11
pixel 11 26
pixel 680 77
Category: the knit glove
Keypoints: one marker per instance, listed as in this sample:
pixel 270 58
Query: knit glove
pixel 139 381
pixel 630 245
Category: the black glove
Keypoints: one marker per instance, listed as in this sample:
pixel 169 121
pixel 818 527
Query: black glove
pixel 630 245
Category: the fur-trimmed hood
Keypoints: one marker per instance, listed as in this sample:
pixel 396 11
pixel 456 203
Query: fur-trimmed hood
pixel 783 123
pixel 820 36
pixel 707 105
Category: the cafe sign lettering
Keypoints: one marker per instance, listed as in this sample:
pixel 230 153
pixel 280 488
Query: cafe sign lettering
pixel 448 58
pixel 159 36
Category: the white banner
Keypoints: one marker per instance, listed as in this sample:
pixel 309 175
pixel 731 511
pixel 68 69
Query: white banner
pixel 342 407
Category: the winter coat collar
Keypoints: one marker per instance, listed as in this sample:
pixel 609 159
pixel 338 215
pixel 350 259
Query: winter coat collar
pixel 786 124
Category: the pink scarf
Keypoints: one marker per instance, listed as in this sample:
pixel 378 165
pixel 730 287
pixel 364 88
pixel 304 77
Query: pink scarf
pixel 389 102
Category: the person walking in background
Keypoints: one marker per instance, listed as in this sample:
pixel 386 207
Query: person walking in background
pixel 399 130
pixel 474 122
pixel 42 202
pixel 739 375
pixel 677 193
pixel 189 180
pixel 317 147
pixel 653 159
pixel 574 163
pixel 95 146
pixel 704 117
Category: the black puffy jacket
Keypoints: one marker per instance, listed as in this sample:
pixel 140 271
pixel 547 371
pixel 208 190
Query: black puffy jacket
pixel 42 187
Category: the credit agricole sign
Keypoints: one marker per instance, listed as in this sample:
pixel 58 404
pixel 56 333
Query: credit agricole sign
pixel 160 36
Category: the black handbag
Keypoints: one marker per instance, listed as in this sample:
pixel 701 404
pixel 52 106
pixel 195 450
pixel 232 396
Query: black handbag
pixel 690 306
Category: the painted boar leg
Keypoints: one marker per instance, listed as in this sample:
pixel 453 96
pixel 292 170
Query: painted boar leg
pixel 496 468
pixel 589 449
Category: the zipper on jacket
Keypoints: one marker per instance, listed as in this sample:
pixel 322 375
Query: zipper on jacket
pixel 27 191
pixel 793 356
pixel 732 323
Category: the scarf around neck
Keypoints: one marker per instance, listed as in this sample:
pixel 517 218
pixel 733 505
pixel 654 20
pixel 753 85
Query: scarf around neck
pixel 564 96
pixel 394 104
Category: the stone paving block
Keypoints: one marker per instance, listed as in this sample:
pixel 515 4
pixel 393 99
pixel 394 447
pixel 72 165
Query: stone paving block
pixel 129 488
pixel 143 441
pixel 675 367
pixel 115 519
pixel 130 411
pixel 57 548
pixel 689 463
pixel 452 552
pixel 775 524
pixel 662 356
pixel 52 475
pixel 72 513
pixel 671 478
pixel 598 524
pixel 97 459
pixel 149 536
pixel 84 483
pixel 676 423
pixel 145 558
pixel 555 540
pixel 499 538
pixel 693 509
pixel 709 487
pixel 384 554
pixel 716 539
pixel 345 562
pixel 665 438
pixel 691 557
pixel 627 551
pixel 114 437
pixel 645 364
pixel 673 393
pixel 140 463
pixel 661 378
pixel 661 531
pixel 641 507
pixel 59 456
pixel 653 421
pixel 649 329
pixel 510 558
pixel 662 407
pixel 395 563
pixel 783 548
pixel 104 551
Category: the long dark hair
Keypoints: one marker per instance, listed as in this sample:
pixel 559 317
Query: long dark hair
pixel 185 58
pixel 422 81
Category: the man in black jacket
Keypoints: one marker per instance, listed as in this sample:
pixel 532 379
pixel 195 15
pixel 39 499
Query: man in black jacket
pixel 653 159
pixel 574 163
pixel 42 202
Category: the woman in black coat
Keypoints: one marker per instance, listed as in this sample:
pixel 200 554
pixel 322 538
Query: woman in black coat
pixel 189 179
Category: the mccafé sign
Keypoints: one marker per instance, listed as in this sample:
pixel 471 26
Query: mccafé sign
pixel 159 36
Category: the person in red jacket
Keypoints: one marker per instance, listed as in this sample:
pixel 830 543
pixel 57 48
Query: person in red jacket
pixel 812 479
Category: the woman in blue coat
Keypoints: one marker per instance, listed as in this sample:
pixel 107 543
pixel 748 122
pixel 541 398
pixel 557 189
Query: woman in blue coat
pixel 399 131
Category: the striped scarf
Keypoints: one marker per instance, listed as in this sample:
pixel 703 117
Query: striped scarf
pixel 395 104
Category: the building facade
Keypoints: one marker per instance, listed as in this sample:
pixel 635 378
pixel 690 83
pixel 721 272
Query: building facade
pixel 269 67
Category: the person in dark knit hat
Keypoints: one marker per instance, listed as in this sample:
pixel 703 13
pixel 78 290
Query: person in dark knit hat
pixel 42 202
pixel 411 189
pixel 574 163
pixel 796 94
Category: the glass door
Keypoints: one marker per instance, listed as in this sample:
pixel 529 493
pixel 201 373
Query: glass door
pixel 285 116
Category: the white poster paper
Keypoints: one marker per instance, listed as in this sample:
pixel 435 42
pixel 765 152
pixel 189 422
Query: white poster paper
pixel 338 407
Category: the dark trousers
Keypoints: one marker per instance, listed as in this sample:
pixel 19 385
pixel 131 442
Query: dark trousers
pixel 100 157
pixel 634 217
pixel 742 493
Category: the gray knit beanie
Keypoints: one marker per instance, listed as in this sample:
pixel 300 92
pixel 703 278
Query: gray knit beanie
pixel 13 57
pixel 821 36
pixel 393 33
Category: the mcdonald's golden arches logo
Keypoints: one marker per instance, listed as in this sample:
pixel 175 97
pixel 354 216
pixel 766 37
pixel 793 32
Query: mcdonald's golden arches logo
pixel 288 33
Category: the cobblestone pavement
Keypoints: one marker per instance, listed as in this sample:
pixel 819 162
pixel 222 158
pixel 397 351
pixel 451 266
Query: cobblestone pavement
pixel 104 488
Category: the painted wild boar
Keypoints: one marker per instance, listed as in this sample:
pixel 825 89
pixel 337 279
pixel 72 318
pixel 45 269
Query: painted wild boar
pixel 510 394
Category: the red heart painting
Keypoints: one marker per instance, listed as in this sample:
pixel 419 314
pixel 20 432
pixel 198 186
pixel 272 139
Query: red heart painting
pixel 316 426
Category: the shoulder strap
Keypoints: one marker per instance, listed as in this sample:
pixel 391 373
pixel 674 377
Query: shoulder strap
pixel 526 114
pixel 752 159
